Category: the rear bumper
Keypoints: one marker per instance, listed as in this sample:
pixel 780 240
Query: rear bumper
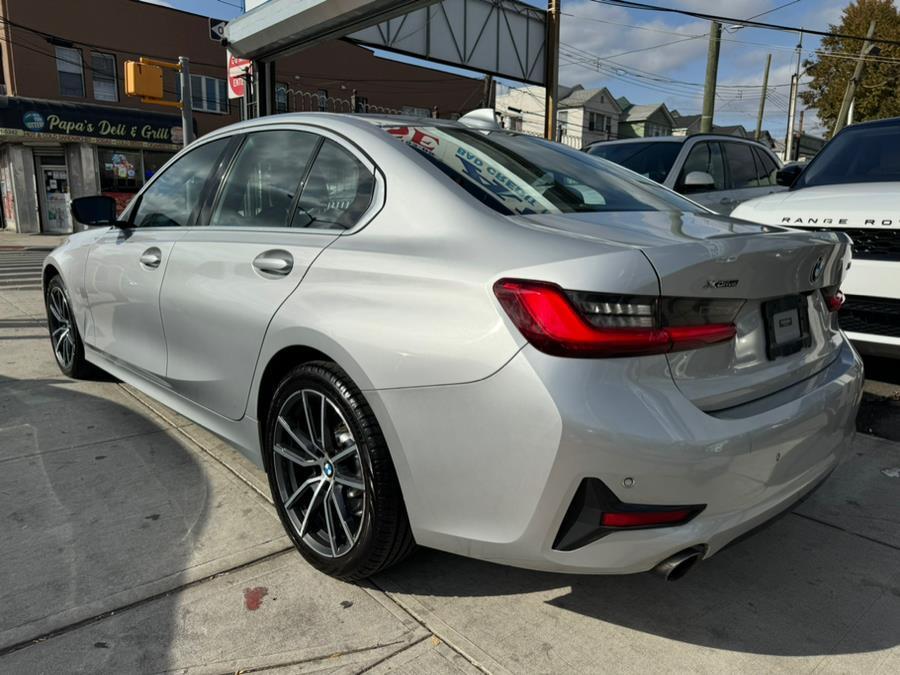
pixel 489 469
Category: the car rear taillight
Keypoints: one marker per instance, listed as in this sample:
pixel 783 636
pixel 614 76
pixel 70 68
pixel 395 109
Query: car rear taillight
pixel 834 298
pixel 646 518
pixel 579 323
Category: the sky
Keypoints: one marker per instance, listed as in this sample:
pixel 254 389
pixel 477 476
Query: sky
pixel 643 51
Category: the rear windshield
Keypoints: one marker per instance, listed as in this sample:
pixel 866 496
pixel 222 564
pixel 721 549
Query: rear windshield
pixel 856 155
pixel 517 174
pixel 653 160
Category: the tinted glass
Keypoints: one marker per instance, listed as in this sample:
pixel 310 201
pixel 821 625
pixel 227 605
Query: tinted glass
pixel 266 175
pixel 741 166
pixel 172 198
pixel 337 191
pixel 856 155
pixel 706 157
pixel 517 174
pixel 653 160
pixel 765 166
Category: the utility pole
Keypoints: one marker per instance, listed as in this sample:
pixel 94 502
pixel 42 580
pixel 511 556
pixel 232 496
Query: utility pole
pixel 712 72
pixel 850 92
pixel 187 114
pixel 762 99
pixel 551 69
pixel 792 107
pixel 487 93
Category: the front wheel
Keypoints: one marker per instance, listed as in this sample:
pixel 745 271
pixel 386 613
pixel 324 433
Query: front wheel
pixel 331 475
pixel 64 338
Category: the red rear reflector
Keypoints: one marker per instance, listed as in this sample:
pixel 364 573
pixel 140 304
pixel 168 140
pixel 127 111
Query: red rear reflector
pixel 645 518
pixel 545 315
pixel 835 301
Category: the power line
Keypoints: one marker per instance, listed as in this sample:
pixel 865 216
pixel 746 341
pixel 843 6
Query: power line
pixel 630 4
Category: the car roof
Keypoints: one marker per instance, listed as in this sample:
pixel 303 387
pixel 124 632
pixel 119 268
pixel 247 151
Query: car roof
pixel 679 139
pixel 888 122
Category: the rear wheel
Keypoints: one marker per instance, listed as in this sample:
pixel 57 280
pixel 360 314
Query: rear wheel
pixel 64 338
pixel 331 475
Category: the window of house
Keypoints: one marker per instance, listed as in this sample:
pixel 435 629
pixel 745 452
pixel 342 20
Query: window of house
pixel 104 76
pixel 70 72
pixel 322 96
pixel 515 123
pixel 563 122
pixel 281 97
pixel 209 94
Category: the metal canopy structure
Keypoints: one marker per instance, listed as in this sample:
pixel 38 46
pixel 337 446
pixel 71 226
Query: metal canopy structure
pixel 504 38
pixel 279 27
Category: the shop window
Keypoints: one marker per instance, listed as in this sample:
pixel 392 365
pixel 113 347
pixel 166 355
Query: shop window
pixel 209 94
pixel 104 76
pixel 153 162
pixel 70 72
pixel 120 170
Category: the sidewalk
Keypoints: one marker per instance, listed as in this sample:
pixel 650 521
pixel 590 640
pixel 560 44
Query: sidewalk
pixel 135 541
pixel 17 240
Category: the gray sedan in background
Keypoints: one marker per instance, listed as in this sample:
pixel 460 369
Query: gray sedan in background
pixel 468 339
pixel 714 170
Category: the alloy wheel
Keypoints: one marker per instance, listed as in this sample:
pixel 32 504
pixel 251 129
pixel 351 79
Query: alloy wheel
pixel 61 329
pixel 318 473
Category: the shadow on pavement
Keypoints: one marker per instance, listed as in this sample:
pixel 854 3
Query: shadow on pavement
pixel 798 588
pixel 89 526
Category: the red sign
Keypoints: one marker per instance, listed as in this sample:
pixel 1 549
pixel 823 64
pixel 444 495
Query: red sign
pixel 237 69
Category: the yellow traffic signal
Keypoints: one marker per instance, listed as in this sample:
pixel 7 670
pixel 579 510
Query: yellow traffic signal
pixel 143 79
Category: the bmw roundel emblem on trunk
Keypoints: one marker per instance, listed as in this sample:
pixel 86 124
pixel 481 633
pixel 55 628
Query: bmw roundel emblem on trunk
pixel 817 269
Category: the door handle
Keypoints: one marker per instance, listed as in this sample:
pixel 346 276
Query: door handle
pixel 151 258
pixel 277 262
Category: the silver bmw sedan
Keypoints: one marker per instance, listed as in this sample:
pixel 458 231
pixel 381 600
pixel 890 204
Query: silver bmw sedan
pixel 468 339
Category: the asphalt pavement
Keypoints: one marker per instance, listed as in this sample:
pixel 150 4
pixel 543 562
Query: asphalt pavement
pixel 135 541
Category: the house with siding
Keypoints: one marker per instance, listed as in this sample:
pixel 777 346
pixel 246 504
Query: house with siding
pixel 641 121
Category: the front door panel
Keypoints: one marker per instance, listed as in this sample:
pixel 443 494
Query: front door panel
pixel 123 278
pixel 221 290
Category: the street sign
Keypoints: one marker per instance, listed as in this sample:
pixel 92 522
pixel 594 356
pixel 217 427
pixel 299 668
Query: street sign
pixel 217 29
pixel 237 68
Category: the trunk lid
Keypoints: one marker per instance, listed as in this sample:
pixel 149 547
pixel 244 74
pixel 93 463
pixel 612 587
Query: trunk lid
pixel 707 257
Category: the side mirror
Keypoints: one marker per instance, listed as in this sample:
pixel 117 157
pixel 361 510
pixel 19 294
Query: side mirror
pixel 94 210
pixel 698 181
pixel 787 175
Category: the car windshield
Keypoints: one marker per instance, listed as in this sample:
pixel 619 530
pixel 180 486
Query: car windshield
pixel 856 155
pixel 518 174
pixel 653 160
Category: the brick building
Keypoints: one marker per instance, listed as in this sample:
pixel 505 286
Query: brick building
pixel 67 128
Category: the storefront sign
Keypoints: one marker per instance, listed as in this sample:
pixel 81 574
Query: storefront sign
pixel 33 116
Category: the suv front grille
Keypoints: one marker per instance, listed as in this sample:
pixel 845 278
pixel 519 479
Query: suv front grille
pixel 868 243
pixel 876 316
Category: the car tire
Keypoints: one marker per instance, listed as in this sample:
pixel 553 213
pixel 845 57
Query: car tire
pixel 331 475
pixel 65 341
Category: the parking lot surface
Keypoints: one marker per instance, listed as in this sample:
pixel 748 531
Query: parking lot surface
pixel 134 541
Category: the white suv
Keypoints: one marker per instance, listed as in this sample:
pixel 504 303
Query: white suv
pixel 852 185
pixel 717 171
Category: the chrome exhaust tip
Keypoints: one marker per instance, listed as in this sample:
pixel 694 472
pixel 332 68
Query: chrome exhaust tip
pixel 676 566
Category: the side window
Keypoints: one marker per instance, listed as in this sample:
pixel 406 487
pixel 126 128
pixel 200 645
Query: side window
pixel 264 180
pixel 706 157
pixel 766 167
pixel 337 191
pixel 172 198
pixel 741 167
